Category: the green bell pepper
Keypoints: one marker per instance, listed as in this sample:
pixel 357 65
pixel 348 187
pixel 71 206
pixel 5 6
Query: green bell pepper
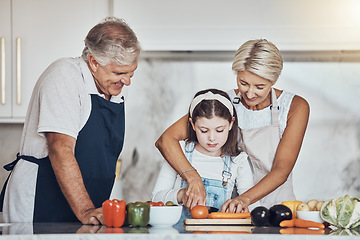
pixel 138 214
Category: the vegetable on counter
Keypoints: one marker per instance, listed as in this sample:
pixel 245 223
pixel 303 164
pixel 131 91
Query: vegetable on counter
pixel 301 224
pixel 156 203
pixel 279 213
pixel 224 215
pixel 138 214
pixel 293 205
pixel 311 205
pixel 114 212
pixel 342 212
pixel 303 207
pixel 170 203
pixel 260 216
pixel 199 212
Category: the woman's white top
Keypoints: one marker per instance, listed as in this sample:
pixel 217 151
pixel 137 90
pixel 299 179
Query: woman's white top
pixel 249 119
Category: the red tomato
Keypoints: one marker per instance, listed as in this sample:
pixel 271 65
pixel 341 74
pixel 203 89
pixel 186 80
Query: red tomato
pixel 199 212
pixel 156 204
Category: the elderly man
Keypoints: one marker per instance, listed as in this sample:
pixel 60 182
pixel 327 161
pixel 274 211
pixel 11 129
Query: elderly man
pixel 74 132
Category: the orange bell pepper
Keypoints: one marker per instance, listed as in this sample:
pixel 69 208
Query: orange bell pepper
pixel 114 212
pixel 293 206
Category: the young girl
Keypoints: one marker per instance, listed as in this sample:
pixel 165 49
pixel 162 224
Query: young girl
pixel 212 149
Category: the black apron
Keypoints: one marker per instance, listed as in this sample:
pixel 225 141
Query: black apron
pixel 97 149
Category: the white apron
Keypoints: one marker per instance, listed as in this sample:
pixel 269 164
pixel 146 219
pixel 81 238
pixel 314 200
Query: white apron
pixel 261 145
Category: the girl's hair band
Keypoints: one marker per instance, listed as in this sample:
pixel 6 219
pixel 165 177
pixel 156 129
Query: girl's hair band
pixel 211 96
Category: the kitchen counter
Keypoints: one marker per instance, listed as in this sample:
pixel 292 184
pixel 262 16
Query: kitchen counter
pixel 59 231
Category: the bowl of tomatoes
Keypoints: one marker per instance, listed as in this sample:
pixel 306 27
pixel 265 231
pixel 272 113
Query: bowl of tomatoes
pixel 164 215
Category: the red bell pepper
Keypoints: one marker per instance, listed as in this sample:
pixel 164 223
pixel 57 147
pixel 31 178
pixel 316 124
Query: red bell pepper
pixel 114 212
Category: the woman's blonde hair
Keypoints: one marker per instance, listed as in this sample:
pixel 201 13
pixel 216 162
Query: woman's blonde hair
pixel 259 57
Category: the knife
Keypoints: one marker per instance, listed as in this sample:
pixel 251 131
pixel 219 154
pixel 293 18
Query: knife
pixel 212 209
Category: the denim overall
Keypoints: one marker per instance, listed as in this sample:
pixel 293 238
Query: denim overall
pixel 215 190
pixel 97 149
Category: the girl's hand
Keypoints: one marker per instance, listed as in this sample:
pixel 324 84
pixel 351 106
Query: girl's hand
pixel 235 205
pixel 180 195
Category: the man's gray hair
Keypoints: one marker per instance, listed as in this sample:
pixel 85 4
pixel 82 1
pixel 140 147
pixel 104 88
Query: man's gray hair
pixel 112 40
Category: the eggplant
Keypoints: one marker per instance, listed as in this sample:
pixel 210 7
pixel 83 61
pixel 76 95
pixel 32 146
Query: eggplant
pixel 279 213
pixel 260 216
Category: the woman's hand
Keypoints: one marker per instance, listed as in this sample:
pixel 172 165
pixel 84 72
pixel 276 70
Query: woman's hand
pixel 236 205
pixel 195 193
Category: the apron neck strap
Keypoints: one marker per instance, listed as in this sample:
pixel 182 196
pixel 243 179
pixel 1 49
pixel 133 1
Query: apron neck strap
pixel 274 107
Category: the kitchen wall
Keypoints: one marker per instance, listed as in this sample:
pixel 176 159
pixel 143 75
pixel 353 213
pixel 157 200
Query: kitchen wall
pixel 329 161
pixel 161 90
pixel 10 135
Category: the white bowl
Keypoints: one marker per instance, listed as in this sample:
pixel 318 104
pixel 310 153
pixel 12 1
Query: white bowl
pixel 310 215
pixel 164 216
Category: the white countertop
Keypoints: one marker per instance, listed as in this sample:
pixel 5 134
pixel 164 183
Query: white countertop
pixel 60 231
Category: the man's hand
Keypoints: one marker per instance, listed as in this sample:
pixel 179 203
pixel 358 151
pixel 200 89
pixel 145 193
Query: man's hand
pixel 61 153
pixel 93 216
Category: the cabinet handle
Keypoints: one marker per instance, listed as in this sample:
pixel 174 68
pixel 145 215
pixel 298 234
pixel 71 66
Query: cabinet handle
pixel 18 70
pixel 2 50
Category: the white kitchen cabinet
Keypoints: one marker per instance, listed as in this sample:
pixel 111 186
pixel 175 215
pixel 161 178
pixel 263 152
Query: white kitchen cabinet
pixel 33 34
pixel 213 25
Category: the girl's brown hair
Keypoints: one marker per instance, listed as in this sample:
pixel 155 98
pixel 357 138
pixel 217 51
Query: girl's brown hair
pixel 209 109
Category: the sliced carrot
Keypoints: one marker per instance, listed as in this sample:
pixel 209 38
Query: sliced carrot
pixel 287 223
pixel 223 215
pixel 308 224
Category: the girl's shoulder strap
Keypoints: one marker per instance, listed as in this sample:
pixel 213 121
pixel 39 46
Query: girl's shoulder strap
pixel 190 146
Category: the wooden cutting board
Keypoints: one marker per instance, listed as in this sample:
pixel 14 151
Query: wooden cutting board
pixel 219 229
pixel 244 221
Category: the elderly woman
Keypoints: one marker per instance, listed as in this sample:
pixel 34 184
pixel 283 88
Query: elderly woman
pixel 272 123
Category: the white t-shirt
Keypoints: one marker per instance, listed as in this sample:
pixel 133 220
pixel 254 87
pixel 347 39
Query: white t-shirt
pixel 60 103
pixel 168 182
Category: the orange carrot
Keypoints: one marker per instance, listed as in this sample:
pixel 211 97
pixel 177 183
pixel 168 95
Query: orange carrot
pixel 308 224
pixel 287 223
pixel 223 215
pixel 305 231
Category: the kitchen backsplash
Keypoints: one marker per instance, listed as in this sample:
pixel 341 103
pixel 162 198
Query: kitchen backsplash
pixel 160 93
